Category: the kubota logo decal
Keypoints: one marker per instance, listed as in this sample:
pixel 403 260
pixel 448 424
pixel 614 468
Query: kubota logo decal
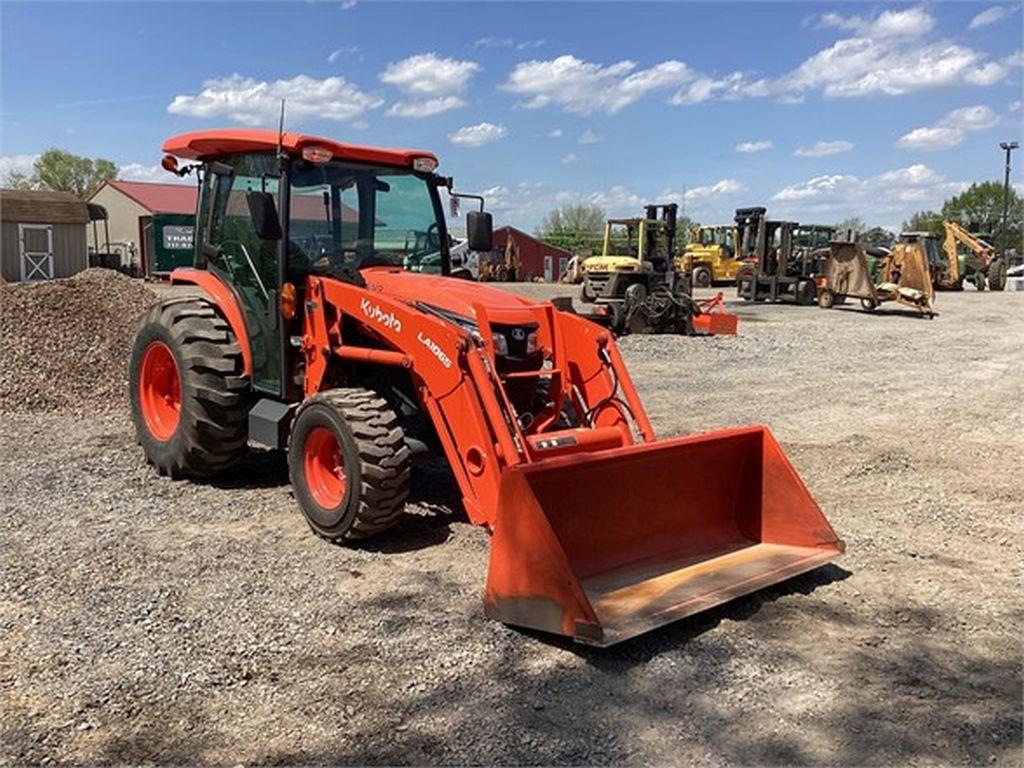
pixel 429 343
pixel 375 313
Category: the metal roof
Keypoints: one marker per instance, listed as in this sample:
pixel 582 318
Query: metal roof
pixel 41 207
pixel 157 198
pixel 200 145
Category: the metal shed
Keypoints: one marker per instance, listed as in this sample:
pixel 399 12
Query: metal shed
pixel 42 235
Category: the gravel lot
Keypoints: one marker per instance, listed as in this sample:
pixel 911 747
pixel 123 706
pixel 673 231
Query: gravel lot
pixel 143 619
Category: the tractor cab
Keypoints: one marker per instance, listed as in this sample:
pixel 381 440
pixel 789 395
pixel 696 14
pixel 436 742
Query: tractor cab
pixel 274 209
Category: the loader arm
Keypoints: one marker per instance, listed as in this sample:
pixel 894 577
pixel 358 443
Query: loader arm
pixel 957 234
pixel 456 379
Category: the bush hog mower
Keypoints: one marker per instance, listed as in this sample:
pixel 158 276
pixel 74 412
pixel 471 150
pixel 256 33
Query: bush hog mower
pixel 876 276
pixel 323 330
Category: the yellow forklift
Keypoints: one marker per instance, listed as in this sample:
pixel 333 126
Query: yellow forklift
pixel 711 256
pixel 634 286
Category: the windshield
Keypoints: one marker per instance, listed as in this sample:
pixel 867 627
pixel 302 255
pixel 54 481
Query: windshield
pixel 347 215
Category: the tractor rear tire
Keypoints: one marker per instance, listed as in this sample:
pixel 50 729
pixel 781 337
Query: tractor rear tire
pixel 189 394
pixel 997 275
pixel 349 464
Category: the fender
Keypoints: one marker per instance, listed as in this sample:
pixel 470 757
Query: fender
pixel 221 296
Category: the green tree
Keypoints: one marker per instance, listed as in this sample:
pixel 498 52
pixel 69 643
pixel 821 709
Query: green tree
pixel 924 221
pixel 16 180
pixel 62 171
pixel 876 236
pixel 854 224
pixel 683 226
pixel 578 228
pixel 979 208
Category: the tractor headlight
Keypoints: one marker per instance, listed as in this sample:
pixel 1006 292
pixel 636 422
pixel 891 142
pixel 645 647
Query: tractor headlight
pixel 500 344
pixel 531 343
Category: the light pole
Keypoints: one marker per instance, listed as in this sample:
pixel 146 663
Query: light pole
pixel 1008 146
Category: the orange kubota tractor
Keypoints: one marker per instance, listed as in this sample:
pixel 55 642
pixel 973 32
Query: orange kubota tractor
pixel 328 325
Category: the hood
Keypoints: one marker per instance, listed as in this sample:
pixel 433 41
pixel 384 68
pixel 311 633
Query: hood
pixel 451 294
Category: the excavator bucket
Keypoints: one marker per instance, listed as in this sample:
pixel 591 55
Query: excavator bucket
pixel 607 546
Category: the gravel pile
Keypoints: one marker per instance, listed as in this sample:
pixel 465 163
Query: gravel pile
pixel 64 344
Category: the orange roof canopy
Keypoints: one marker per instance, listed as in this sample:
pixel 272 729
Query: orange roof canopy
pixel 200 145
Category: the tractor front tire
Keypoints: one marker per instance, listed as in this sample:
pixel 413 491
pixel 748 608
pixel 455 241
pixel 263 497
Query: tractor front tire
pixel 349 464
pixel 702 277
pixel 189 394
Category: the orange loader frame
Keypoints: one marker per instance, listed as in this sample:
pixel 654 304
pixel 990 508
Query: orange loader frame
pixel 600 532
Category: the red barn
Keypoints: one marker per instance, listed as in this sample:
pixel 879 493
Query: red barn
pixel 537 258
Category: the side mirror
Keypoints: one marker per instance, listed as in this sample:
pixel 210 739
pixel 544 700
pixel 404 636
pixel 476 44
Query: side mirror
pixel 480 230
pixel 263 212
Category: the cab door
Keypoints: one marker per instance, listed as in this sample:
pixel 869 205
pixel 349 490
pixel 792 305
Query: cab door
pixel 228 242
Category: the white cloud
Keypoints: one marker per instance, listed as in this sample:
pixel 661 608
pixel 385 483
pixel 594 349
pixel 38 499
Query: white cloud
pixel 816 187
pixel 477 135
pixel 152 173
pixel 749 147
pixel 824 149
pixel 253 102
pixel 525 204
pixel 718 189
pixel 21 164
pixel 348 5
pixel 730 88
pixel 889 196
pixel 886 54
pixel 931 138
pixel 508 42
pixel 583 87
pixel 991 16
pixel 951 130
pixel 431 84
pixel 588 137
pixel 430 75
pixel 337 53
pixel 912 22
pixel 555 134
pixel 570 159
pixel 1015 106
pixel 425 107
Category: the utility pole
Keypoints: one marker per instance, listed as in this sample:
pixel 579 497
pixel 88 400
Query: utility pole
pixel 1008 146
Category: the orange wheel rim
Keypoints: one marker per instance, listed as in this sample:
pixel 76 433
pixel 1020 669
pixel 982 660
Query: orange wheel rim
pixel 160 391
pixel 324 468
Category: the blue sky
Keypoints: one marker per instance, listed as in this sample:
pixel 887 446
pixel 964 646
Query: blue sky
pixel 817 110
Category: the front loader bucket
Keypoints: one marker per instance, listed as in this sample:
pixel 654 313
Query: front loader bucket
pixel 606 546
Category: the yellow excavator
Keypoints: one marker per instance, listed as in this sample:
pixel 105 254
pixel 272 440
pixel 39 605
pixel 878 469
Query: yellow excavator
pixel 979 265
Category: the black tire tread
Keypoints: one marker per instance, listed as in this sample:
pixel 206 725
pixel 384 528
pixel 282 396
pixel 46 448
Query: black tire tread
pixel 385 459
pixel 214 432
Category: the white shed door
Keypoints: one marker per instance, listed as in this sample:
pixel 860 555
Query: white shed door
pixel 36 251
pixel 548 268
